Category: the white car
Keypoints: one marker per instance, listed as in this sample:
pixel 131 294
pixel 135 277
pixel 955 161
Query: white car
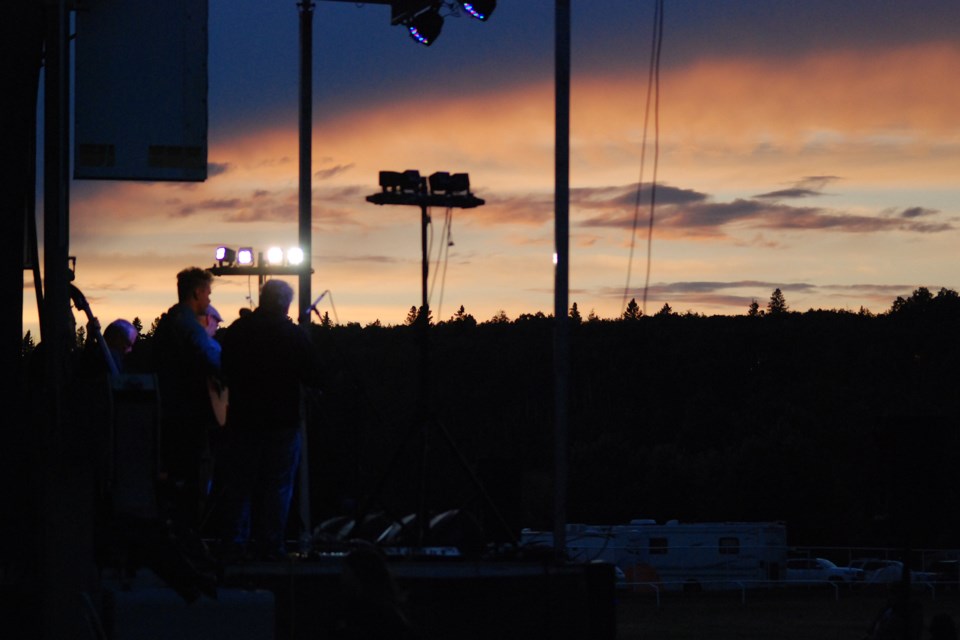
pixel 815 570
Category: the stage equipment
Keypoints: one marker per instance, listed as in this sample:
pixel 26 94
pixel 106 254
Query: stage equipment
pixel 245 256
pixel 426 27
pixel 443 182
pixel 274 256
pixel 295 256
pixel 481 9
pixel 448 191
pixel 225 255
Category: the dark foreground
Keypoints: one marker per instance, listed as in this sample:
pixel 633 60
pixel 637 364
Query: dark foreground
pixel 806 614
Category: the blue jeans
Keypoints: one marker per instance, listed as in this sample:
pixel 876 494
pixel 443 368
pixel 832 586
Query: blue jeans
pixel 257 471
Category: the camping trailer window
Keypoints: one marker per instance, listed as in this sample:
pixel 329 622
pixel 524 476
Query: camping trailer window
pixel 729 545
pixel 658 546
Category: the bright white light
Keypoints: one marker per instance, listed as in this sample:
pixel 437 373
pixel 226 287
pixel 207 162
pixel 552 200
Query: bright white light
pixel 555 260
pixel 295 255
pixel 275 255
pixel 245 256
pixel 221 253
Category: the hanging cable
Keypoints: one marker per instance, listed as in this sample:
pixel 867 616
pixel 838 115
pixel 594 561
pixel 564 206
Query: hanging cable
pixel 448 242
pixel 441 254
pixel 653 94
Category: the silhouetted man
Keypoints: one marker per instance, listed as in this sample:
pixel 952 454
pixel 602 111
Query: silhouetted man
pixel 186 359
pixel 265 357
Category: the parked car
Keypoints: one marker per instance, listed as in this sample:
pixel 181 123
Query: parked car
pixel 877 571
pixel 815 570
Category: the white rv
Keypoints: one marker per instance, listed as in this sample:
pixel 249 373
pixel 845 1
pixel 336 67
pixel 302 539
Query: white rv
pixel 674 555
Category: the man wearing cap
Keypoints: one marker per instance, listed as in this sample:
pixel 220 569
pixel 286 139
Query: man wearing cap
pixel 210 320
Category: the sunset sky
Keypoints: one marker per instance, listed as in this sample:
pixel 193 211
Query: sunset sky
pixel 811 146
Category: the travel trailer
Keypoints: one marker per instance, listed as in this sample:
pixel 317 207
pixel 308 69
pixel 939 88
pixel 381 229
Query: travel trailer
pixel 675 556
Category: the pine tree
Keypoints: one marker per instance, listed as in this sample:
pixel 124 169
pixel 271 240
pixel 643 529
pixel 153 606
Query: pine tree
pixel 28 345
pixel 411 317
pixel 153 326
pixel 462 317
pixel 665 310
pixel 777 304
pixel 632 311
pixel 575 314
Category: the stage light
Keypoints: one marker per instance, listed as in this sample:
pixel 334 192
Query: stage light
pixel 295 256
pixel 443 182
pixel 275 256
pixel 391 180
pixel 425 27
pixel 225 254
pixel 439 182
pixel 397 182
pixel 459 183
pixel 480 9
pixel 245 256
pixel 410 182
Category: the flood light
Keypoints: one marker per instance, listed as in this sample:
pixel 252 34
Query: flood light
pixel 443 182
pixel 274 255
pixel 425 27
pixel 295 256
pixel 480 9
pixel 245 256
pixel 225 254
pixel 391 180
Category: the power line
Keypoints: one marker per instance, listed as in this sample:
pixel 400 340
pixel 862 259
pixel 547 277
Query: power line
pixel 653 94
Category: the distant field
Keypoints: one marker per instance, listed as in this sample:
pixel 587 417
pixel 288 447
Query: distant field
pixel 795 615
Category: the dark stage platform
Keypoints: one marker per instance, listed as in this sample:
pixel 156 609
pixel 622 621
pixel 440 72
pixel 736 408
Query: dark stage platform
pixel 301 599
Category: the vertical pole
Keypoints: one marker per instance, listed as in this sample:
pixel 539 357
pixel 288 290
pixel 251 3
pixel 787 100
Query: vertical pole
pixel 306 220
pixel 561 337
pixel 65 514
pixel 423 322
pixel 306 153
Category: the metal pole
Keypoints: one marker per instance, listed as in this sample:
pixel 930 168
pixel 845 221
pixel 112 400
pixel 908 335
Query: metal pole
pixel 306 219
pixel 423 327
pixel 561 346
pixel 65 513
pixel 306 152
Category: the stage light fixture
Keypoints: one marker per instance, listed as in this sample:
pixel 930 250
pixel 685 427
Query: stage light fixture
pixel 225 255
pixel 295 256
pixel 391 180
pixel 426 26
pixel 480 9
pixel 459 183
pixel 245 256
pixel 410 182
pixel 275 256
pixel 444 182
pixel 439 182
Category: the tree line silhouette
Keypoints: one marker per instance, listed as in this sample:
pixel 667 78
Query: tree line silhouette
pixel 843 425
